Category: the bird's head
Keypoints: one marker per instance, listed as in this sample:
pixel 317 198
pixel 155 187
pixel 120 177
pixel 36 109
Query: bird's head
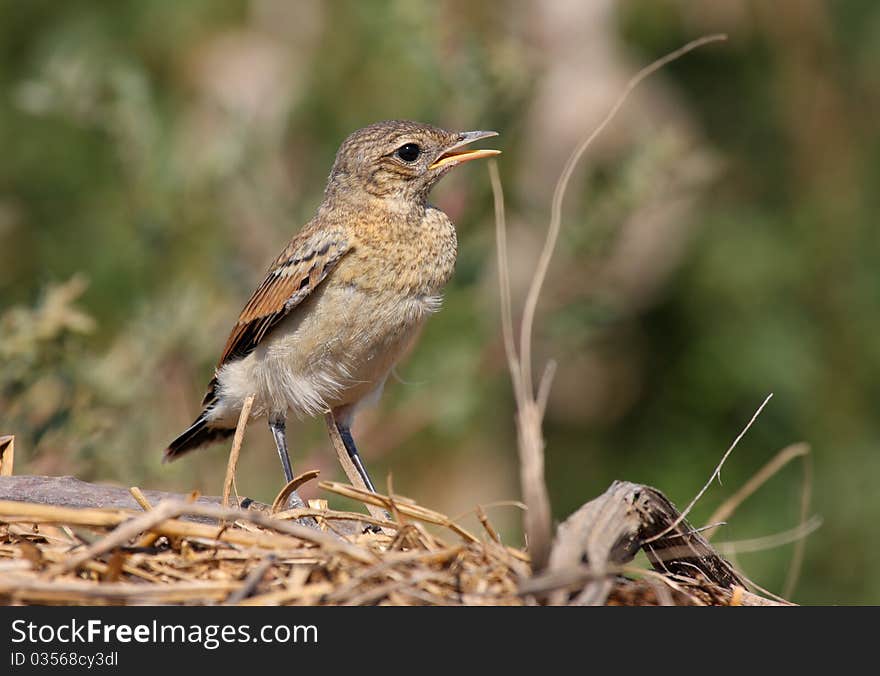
pixel 400 160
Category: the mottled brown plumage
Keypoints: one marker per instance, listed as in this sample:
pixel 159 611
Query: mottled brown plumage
pixel 349 292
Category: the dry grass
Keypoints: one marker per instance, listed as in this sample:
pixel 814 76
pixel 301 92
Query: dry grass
pixel 81 556
pixel 59 555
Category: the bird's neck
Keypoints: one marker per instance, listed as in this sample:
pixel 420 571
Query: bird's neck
pixel 362 205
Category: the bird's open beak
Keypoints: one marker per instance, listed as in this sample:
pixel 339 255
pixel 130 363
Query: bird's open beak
pixel 452 155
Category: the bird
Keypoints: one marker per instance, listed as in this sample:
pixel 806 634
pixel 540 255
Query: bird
pixel 347 296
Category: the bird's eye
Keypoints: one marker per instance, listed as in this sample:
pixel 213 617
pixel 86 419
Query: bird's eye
pixel 409 152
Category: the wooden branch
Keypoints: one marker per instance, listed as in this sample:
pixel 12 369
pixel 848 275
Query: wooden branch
pixel 67 491
pixel 593 544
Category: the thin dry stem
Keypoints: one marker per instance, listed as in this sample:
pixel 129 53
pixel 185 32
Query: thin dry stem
pixel 251 581
pixel 122 534
pixel 140 498
pixel 160 519
pixel 487 526
pixel 348 466
pixel 536 519
pixel 7 454
pixel 531 302
pixel 149 539
pixel 490 505
pixel 530 408
pixel 716 473
pixel 236 449
pixel 504 276
pixel 797 556
pixel 765 542
pixel 410 510
pixel 776 463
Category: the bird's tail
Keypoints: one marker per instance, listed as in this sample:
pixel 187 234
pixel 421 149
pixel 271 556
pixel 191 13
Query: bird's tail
pixel 200 433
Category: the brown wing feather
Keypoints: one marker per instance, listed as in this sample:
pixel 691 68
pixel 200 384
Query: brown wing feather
pixel 303 265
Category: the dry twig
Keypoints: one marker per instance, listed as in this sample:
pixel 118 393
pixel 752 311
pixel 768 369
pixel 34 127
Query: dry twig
pixel 530 406
pixel 715 473
pixel 7 454
pixel 229 482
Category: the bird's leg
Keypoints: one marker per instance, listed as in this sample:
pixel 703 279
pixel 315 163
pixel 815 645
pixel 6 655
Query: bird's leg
pixel 345 434
pixel 277 425
pixel 348 441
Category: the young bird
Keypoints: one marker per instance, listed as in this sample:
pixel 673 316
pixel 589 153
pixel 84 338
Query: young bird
pixel 347 295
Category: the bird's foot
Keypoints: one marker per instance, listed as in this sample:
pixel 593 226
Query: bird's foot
pixel 296 502
pixel 373 528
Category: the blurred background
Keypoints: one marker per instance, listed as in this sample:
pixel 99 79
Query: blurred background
pixel 719 243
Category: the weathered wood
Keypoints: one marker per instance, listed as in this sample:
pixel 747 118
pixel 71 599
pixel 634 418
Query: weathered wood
pixel 68 491
pixel 606 533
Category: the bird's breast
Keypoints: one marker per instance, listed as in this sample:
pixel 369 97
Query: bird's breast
pixel 410 261
pixel 339 345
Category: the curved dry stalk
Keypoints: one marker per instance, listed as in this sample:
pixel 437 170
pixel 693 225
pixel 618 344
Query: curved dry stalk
pixel 531 302
pixel 716 473
pixel 760 544
pixel 504 276
pixel 797 556
pixel 758 479
pixel 537 520
pixel 489 505
pixel 530 407
pixel 165 512
pixel 766 592
pixel 544 386
pixel 348 467
pixel 280 502
pixel 411 510
pixel 232 464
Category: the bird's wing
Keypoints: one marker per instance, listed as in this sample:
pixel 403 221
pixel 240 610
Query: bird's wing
pixel 295 274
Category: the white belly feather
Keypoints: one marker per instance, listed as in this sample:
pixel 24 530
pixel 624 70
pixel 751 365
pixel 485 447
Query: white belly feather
pixel 335 350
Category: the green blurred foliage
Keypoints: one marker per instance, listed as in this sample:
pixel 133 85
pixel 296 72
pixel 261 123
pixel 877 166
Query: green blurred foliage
pixel 164 151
